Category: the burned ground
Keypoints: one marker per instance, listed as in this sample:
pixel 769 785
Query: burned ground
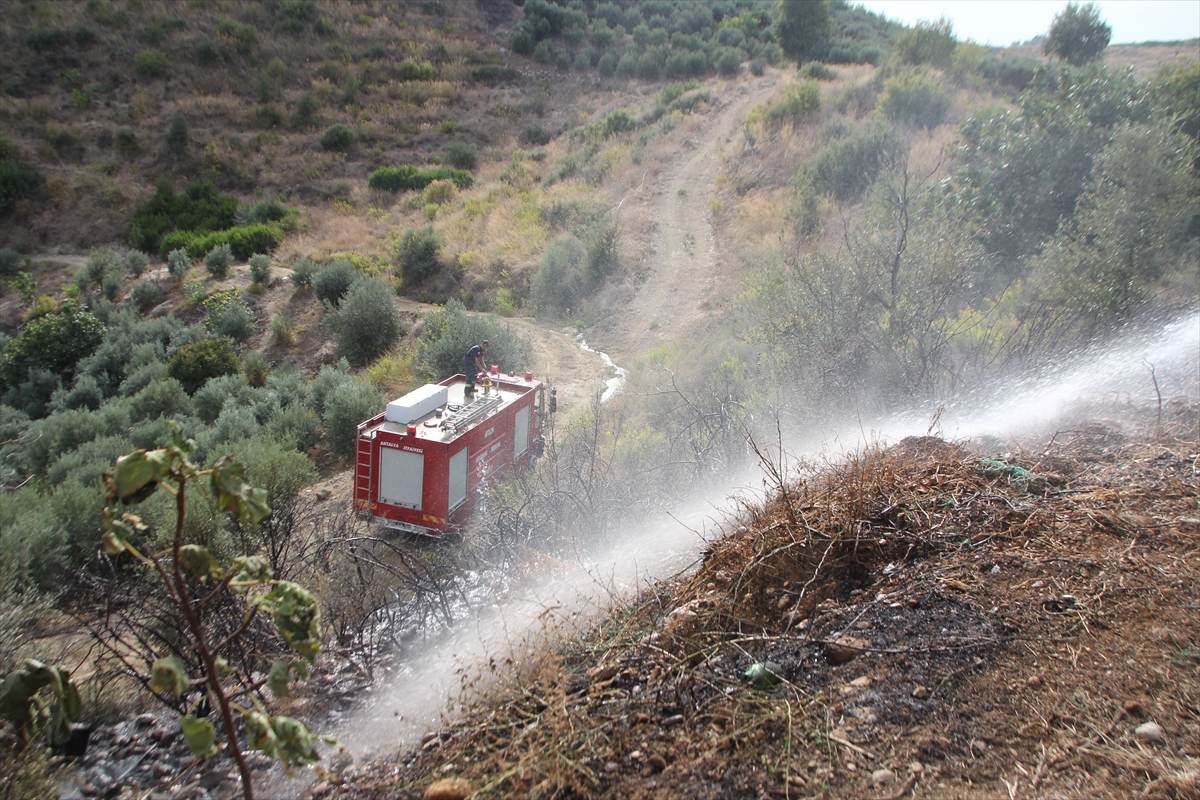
pixel 916 621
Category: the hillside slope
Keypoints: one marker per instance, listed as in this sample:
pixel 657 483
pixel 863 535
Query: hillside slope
pixel 919 620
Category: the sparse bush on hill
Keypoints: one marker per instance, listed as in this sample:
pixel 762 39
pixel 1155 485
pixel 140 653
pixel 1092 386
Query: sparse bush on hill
pixel 193 364
pixel 10 262
pixel 558 285
pixel 914 98
pixel 817 71
pixel 144 295
pixel 396 179
pixel 798 101
pixel 845 167
pixel 260 269
pixel 178 264
pixel 136 262
pixel 200 208
pixel 242 241
pixel 333 281
pixel 218 260
pixel 150 63
pixel 338 138
pixel 367 322
pixel 232 319
pixel 416 255
pixel 1078 35
pixel 348 404
pixel 450 331
pixel 463 156
pixel 302 273
pixel 927 43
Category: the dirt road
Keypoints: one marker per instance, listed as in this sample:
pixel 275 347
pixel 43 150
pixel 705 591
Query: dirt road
pixel 682 281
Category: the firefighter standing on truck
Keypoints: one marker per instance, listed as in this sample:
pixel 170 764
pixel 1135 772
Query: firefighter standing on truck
pixel 473 364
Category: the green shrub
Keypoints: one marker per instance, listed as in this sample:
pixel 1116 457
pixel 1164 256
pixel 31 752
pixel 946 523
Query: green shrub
pixel 347 405
pixel 411 69
pixel 233 320
pixel 243 241
pixel 927 43
pixel 260 269
pixel 211 398
pixel 283 331
pixel 138 379
pixel 914 98
pixel 177 136
pixel 333 281
pixel 200 209
pixel 195 363
pixel 798 101
pixel 243 37
pixel 10 262
pixel 136 262
pixel 86 393
pixel 817 71
pixel 150 63
pixel 395 179
pixel 55 342
pixel 450 331
pixel 165 399
pixel 416 254
pixel 337 137
pixel 729 63
pixel 537 135
pixel 758 66
pixel 607 65
pixel 145 295
pixel 218 261
pixel 619 121
pixel 846 167
pixel 557 286
pixel 88 462
pixel 306 111
pixel 463 156
pixel 302 273
pixel 367 322
pixel 178 264
pixel 127 143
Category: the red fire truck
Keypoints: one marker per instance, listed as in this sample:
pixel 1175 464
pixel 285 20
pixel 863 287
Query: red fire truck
pixel 420 464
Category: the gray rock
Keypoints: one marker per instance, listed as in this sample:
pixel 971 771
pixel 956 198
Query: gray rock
pixel 1149 732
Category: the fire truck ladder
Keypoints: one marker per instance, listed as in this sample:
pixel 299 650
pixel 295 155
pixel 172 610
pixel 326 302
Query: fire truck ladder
pixel 362 472
pixel 472 412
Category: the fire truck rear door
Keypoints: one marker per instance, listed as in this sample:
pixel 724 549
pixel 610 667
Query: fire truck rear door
pixel 521 433
pixel 401 477
pixel 458 478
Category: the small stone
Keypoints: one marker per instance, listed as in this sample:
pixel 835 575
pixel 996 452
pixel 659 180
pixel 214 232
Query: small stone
pixel 610 766
pixel 449 789
pixel 636 755
pixel 323 494
pixel 1149 732
pixel 912 602
pixel 844 648
pixel 321 790
pixel 920 693
pixel 145 720
pixel 657 762
pixel 882 776
pixel 861 682
pixel 1133 707
pixel 1034 682
pixel 916 768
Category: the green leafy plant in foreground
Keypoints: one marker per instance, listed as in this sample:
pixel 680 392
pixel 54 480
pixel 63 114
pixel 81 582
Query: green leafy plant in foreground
pixel 23 704
pixel 194 580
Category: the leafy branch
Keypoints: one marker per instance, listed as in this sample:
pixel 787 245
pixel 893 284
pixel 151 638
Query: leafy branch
pixel 185 570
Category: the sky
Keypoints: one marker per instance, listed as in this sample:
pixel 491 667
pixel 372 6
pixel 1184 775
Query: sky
pixel 1003 22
